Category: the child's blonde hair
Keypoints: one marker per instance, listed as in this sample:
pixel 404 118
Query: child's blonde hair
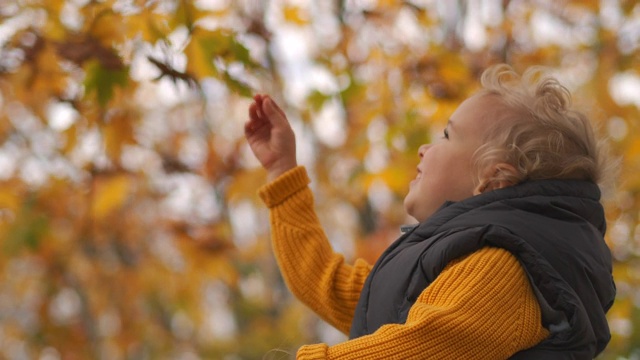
pixel 537 132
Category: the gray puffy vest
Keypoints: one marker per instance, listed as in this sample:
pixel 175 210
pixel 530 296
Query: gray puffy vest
pixel 555 229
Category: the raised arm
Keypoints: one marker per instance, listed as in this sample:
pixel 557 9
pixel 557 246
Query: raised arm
pixel 318 277
pixel 313 272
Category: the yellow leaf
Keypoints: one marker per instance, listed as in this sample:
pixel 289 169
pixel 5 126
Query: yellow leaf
pixel 245 184
pixel 200 53
pixel 109 195
pixel 49 79
pixel 117 132
pixel 186 14
pixel 295 15
pixel 9 200
pixel 54 29
pixel 71 139
pixel 453 69
pixel 108 28
pixel 633 151
pixel 590 5
pixel 386 4
pixel 149 24
pixel 398 176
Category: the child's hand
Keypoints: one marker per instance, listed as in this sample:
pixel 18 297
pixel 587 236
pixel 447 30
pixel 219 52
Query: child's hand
pixel 270 136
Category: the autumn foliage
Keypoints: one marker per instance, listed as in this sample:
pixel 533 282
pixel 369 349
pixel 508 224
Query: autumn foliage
pixel 129 219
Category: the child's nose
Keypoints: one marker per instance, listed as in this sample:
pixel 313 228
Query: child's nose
pixel 422 149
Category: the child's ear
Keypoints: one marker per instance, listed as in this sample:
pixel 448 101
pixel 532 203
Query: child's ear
pixel 498 176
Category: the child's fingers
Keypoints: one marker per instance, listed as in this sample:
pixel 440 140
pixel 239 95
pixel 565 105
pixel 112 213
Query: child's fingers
pixel 256 120
pixel 274 113
pixel 263 99
pixel 253 112
pixel 275 104
pixel 264 111
pixel 251 127
pixel 259 100
pixel 248 128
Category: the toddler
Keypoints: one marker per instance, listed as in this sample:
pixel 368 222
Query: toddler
pixel 508 259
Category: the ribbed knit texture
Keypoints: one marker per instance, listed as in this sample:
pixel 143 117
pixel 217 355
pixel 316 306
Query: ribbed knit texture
pixel 481 306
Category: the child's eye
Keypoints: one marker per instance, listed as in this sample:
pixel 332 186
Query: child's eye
pixel 446 133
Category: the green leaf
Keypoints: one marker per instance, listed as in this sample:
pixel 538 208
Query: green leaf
pixel 28 229
pixel 241 54
pixel 187 14
pixel 103 81
pixel 353 90
pixel 205 46
pixel 316 99
pixel 237 86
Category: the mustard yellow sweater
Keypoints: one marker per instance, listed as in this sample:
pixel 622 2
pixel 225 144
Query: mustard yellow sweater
pixel 480 307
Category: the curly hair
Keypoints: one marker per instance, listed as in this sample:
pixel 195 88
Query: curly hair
pixel 537 132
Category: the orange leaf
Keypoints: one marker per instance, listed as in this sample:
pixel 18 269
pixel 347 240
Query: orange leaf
pixel 109 195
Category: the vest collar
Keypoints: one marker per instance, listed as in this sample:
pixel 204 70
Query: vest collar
pixel 581 198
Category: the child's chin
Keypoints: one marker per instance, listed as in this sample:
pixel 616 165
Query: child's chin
pixel 407 204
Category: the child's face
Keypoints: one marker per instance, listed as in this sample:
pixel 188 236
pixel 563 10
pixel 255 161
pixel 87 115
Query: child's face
pixel 445 168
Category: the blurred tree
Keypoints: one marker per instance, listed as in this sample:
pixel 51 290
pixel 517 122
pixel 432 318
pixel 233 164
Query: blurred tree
pixel 128 213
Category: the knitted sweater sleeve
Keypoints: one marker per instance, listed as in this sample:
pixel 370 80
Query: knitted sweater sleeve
pixel 313 272
pixel 481 306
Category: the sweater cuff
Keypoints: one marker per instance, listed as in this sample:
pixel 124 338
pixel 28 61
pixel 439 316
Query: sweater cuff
pixel 312 352
pixel 284 186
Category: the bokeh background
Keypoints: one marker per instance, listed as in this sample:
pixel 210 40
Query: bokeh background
pixel 129 222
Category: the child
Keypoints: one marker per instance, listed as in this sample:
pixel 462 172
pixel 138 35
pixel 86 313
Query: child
pixel 508 259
